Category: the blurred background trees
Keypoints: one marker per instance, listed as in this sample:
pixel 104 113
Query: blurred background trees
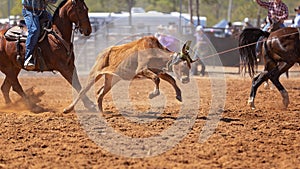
pixel 214 10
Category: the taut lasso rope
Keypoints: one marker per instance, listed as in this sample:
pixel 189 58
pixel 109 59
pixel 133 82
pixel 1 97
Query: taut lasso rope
pixel 250 44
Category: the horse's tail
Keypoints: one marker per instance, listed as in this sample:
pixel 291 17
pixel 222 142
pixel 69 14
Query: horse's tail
pixel 247 46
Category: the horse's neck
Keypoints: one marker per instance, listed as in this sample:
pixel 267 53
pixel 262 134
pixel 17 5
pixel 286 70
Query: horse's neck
pixel 63 27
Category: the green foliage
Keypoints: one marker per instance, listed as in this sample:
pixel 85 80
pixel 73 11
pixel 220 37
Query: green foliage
pixel 16 8
pixel 214 10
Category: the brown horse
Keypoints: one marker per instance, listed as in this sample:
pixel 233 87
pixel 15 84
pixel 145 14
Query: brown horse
pixel 280 52
pixel 56 49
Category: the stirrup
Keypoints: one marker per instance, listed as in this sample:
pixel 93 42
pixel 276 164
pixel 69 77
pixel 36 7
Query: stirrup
pixel 28 65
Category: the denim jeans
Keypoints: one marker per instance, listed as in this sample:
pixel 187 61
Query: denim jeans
pixel 33 25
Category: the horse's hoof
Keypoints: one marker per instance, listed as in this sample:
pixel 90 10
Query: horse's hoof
pixel 285 100
pixel 179 98
pixel 251 103
pixel 100 109
pixel 286 103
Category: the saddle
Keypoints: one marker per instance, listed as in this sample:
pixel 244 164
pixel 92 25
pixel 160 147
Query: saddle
pixel 16 33
pixel 19 34
pixel 274 25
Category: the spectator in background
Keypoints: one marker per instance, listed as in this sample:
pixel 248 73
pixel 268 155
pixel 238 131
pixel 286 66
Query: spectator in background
pixel 228 29
pixel 247 24
pixel 161 29
pixel 200 50
pixel 168 40
pixel 200 36
pixel 264 23
pixel 277 11
pixel 296 23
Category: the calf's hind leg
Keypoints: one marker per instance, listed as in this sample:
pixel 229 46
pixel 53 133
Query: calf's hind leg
pixel 109 82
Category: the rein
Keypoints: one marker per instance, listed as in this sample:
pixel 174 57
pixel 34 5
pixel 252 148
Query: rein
pixel 64 42
pixel 74 29
pixel 68 47
pixel 78 24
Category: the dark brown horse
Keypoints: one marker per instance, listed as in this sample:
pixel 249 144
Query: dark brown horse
pixel 280 52
pixel 56 49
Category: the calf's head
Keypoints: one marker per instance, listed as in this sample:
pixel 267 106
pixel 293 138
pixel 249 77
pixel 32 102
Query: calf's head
pixel 183 55
pixel 182 72
pixel 181 63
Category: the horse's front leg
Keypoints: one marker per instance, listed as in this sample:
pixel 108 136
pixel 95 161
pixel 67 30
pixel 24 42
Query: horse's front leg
pixel 256 82
pixel 72 78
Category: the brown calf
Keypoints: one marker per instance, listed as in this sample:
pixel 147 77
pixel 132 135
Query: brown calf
pixel 145 57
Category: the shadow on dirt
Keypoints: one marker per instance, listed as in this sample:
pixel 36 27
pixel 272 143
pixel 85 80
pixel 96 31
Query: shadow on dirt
pixel 224 119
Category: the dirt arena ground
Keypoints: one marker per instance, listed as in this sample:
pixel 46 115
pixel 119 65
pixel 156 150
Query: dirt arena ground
pixel 268 137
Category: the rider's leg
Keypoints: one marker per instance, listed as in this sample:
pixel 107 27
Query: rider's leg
pixel 33 25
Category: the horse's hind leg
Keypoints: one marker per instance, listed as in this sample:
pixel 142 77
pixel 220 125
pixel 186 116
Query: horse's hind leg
pixel 275 80
pixel 283 92
pixel 11 80
pixel 156 91
pixel 5 87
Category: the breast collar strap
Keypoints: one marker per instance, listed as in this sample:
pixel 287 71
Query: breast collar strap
pixel 66 44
